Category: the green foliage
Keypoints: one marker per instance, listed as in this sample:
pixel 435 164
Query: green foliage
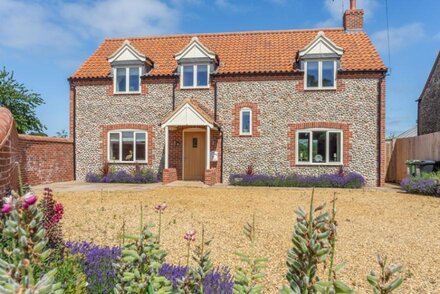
pixel 70 273
pixel 21 102
pixel 386 281
pixel 62 134
pixel 313 243
pixel 248 279
pixel 23 255
pixel 138 267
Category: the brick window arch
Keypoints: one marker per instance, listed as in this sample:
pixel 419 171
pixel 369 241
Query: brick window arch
pixel 253 111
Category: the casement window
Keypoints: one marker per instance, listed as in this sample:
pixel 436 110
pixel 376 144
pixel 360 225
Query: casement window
pixel 246 121
pixel 127 146
pixel 320 74
pixel 319 146
pixel 127 80
pixel 194 76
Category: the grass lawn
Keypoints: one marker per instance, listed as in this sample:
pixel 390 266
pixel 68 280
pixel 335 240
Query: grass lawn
pixel 404 227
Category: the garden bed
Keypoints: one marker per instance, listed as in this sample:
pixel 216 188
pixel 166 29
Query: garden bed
pixel 401 226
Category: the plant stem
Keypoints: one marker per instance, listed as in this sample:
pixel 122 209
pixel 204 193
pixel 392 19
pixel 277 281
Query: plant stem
pixel 160 227
pixel 333 240
pixel 187 254
pixel 142 220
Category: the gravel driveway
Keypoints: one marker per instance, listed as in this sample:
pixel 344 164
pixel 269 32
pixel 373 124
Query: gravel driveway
pixel 404 227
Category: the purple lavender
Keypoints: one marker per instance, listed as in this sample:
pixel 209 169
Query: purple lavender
pixel 218 281
pixel 420 186
pixel 122 176
pixel 98 265
pixel 338 180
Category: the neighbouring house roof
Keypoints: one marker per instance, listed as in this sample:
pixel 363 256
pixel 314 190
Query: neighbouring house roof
pixel 408 133
pixel 189 113
pixel 244 52
pixel 436 63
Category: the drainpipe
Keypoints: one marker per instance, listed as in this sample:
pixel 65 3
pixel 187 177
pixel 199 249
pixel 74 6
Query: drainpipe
pixel 221 165
pixel 74 127
pixel 174 94
pixel 215 101
pixel 379 92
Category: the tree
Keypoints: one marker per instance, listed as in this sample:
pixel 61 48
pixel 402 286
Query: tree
pixel 62 134
pixel 21 102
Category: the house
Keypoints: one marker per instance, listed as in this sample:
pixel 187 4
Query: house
pixel 205 106
pixel 428 120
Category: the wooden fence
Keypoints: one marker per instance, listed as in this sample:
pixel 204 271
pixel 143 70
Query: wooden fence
pixel 398 151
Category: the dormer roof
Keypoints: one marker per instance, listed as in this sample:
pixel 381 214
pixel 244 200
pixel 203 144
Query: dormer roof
pixel 195 50
pixel 127 53
pixel 321 46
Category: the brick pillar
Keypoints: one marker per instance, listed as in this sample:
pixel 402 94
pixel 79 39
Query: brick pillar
pixel 210 176
pixel 169 175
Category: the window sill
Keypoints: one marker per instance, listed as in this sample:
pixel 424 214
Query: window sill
pixel 245 135
pixel 127 162
pixel 319 89
pixel 319 164
pixel 195 88
pixel 127 93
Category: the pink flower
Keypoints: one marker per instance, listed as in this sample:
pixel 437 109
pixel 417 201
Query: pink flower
pixel 30 198
pixel 190 236
pixel 7 208
pixel 160 207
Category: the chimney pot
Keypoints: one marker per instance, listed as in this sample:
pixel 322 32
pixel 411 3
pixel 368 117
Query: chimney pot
pixel 352 4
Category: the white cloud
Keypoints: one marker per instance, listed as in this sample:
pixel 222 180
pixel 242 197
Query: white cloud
pixel 336 10
pixel 121 18
pixel 65 25
pixel 437 36
pixel 400 37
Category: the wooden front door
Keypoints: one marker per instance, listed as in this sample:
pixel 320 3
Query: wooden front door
pixel 194 150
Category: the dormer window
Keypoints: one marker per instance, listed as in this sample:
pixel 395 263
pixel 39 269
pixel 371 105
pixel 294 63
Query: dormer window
pixel 127 79
pixel 128 65
pixel 320 74
pixel 195 76
pixel 320 59
pixel 196 63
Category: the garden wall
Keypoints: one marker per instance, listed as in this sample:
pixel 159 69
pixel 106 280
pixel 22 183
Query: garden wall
pixel 45 160
pixel 41 159
pixel 424 147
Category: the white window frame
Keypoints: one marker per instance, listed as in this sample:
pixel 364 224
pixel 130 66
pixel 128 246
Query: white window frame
pixel 320 87
pixel 120 146
pixel 194 86
pixel 127 80
pixel 327 162
pixel 241 121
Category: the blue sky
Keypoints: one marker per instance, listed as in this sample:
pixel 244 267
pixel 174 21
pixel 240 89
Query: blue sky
pixel 45 41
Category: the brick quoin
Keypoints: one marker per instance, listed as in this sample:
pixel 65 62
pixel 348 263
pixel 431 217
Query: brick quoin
pixel 132 126
pixel 345 127
pixel 255 119
pixel 382 151
pixel 169 175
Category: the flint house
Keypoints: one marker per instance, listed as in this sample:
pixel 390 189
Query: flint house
pixel 205 106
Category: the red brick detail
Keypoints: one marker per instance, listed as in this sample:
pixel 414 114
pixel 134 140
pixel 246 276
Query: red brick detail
pixel 169 175
pixel 340 86
pixel 255 119
pixel 144 88
pixel 353 19
pixel 109 90
pixel 211 177
pixel 134 126
pixel 382 145
pixel 72 94
pixel 346 130
pixel 45 160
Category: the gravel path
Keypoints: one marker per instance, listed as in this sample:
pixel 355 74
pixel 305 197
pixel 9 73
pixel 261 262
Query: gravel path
pixel 404 227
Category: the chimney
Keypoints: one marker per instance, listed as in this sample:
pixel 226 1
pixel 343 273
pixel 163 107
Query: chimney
pixel 353 18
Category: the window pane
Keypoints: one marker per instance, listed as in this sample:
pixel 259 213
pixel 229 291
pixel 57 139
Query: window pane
pixel 134 79
pixel 319 145
pixel 140 146
pixel 328 74
pixel 334 147
pixel 127 146
pixel 246 122
pixel 188 75
pixel 120 79
pixel 114 146
pixel 194 142
pixel 312 74
pixel 303 147
pixel 202 75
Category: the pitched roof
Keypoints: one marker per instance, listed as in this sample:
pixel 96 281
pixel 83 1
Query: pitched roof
pixel 245 52
pixel 196 107
pixel 428 81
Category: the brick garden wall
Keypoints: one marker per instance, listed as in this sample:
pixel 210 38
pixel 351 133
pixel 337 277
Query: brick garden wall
pixel 45 160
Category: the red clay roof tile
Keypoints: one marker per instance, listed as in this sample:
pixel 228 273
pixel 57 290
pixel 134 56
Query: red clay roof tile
pixel 246 52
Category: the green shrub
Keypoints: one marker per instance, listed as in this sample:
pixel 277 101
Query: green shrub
pixel 70 273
